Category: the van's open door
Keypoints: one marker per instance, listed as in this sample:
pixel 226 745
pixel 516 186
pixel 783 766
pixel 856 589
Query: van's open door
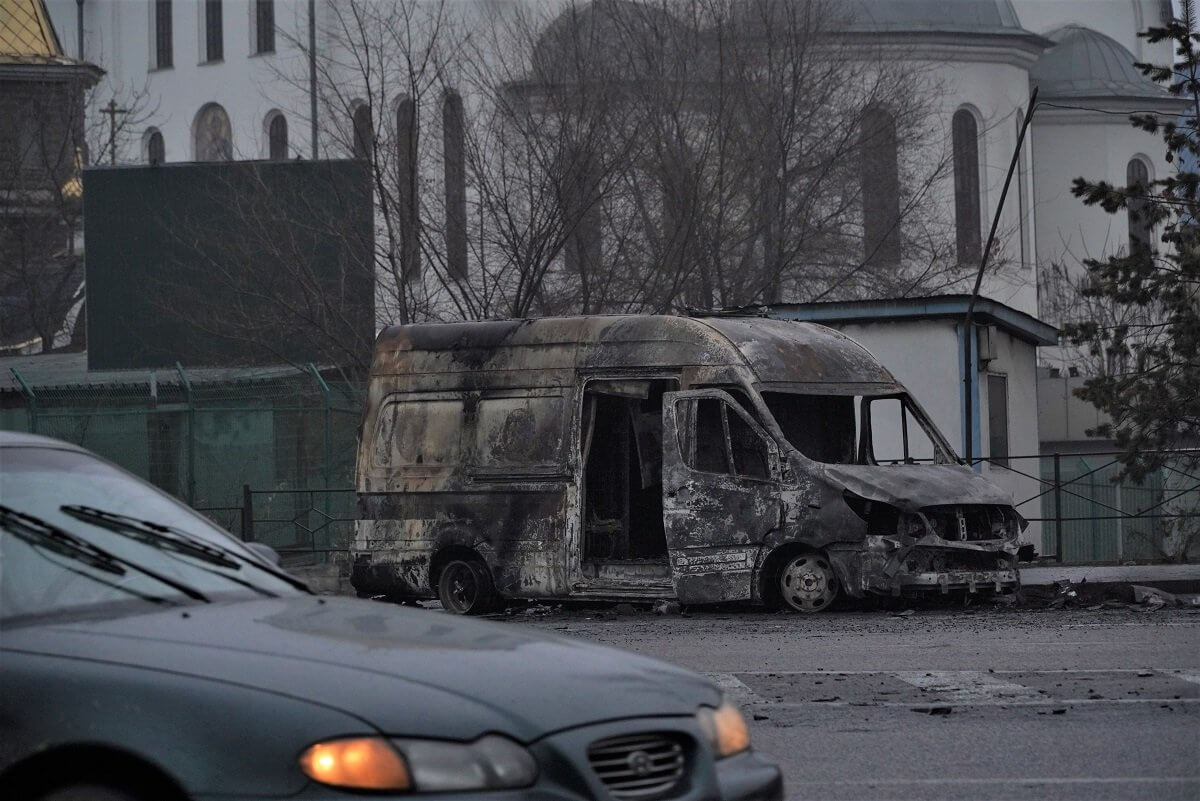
pixel 720 494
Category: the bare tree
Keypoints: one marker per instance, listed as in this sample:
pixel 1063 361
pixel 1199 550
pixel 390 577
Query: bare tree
pixel 633 156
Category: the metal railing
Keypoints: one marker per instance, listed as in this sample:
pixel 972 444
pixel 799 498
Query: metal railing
pixel 1086 515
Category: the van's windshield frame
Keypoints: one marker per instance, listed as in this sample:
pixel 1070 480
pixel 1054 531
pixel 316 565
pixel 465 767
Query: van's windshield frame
pixel 862 399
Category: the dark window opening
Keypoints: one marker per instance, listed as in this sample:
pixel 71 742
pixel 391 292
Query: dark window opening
pixel 1137 180
pixel 622 452
pixel 832 429
pixel 364 132
pixel 164 51
pixel 156 151
pixel 965 133
pixel 997 388
pixel 264 26
pixel 455 174
pixel 725 442
pixel 277 145
pixel 214 34
pixel 407 141
pixel 880 188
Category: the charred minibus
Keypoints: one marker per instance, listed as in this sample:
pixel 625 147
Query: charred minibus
pixel 707 459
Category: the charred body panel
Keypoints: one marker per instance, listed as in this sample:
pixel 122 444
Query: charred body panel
pixel 639 457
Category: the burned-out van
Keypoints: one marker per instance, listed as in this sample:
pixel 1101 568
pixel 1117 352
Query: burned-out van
pixel 644 457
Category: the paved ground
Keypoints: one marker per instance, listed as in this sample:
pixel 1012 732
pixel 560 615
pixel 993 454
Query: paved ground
pixel 942 704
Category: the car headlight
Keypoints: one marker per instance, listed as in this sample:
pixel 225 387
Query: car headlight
pixel 726 729
pixel 376 763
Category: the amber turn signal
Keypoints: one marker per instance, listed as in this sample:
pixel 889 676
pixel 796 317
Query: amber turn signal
pixel 726 729
pixel 361 763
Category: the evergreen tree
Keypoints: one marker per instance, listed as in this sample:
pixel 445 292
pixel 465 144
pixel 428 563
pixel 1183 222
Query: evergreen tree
pixel 1154 403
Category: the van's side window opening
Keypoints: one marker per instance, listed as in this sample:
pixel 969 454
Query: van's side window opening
pixel 418 432
pixel 519 431
pixel 725 442
pixel 831 428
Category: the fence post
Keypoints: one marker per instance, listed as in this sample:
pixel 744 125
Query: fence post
pixel 326 470
pixel 30 396
pixel 191 440
pixel 247 514
pixel 1058 521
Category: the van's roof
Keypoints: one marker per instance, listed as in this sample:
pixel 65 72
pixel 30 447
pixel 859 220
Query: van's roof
pixel 777 351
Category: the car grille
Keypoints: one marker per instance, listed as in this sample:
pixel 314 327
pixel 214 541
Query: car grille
pixel 641 766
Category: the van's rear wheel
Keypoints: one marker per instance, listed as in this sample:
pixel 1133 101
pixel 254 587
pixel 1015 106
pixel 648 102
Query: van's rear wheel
pixel 807 583
pixel 465 588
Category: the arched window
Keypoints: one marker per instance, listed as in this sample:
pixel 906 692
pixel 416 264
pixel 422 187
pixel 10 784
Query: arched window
pixel 1137 180
pixel 277 144
pixel 407 141
pixel 364 132
pixel 156 151
pixel 880 187
pixel 212 134
pixel 965 132
pixel 455 173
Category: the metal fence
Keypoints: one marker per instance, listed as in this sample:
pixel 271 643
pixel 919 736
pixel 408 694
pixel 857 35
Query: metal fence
pixel 1087 515
pixel 203 435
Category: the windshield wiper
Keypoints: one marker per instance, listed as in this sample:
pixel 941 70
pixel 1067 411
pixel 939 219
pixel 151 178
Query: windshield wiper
pixel 39 533
pixel 172 539
pixel 150 533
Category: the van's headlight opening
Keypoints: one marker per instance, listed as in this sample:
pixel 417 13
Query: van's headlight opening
pixel 376 763
pixel 725 728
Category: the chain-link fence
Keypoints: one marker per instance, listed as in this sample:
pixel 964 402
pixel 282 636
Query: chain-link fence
pixel 204 435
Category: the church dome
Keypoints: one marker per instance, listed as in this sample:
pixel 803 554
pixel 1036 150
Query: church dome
pixel 974 16
pixel 1086 63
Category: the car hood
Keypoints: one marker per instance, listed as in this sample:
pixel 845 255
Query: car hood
pixel 404 671
pixel 910 487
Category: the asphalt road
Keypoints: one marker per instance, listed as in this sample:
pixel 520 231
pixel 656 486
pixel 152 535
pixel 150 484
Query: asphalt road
pixel 945 704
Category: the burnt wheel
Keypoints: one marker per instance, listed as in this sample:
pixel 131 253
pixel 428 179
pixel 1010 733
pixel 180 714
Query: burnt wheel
pixel 807 583
pixel 465 588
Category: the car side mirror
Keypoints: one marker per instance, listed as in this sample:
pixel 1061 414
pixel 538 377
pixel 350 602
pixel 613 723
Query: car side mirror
pixel 264 552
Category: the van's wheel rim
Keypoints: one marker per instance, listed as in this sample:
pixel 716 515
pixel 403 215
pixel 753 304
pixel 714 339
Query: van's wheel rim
pixel 463 589
pixel 807 583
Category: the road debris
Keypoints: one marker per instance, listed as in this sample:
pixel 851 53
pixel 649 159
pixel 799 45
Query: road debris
pixel 664 607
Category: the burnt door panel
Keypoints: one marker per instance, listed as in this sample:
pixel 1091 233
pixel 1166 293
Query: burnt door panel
pixel 720 494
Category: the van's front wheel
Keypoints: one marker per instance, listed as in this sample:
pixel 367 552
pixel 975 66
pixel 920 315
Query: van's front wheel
pixel 465 588
pixel 807 583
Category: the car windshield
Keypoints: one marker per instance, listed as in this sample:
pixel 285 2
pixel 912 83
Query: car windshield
pixel 78 534
pixel 857 429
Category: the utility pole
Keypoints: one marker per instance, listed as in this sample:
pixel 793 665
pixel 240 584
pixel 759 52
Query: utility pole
pixel 312 74
pixel 968 363
pixel 112 110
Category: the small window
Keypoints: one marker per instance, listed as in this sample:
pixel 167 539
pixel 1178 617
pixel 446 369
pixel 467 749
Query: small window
pixel 997 389
pixel 214 33
pixel 880 187
pixel 213 134
pixel 264 26
pixel 412 433
pixel 364 132
pixel 156 151
pixel 725 442
pixel 277 144
pixel 455 178
pixel 164 49
pixel 519 432
pixel 965 134
pixel 1137 180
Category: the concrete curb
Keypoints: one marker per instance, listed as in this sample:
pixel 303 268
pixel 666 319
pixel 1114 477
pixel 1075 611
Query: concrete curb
pixel 1172 578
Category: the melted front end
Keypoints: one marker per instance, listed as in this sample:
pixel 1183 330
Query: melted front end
pixel 935 549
